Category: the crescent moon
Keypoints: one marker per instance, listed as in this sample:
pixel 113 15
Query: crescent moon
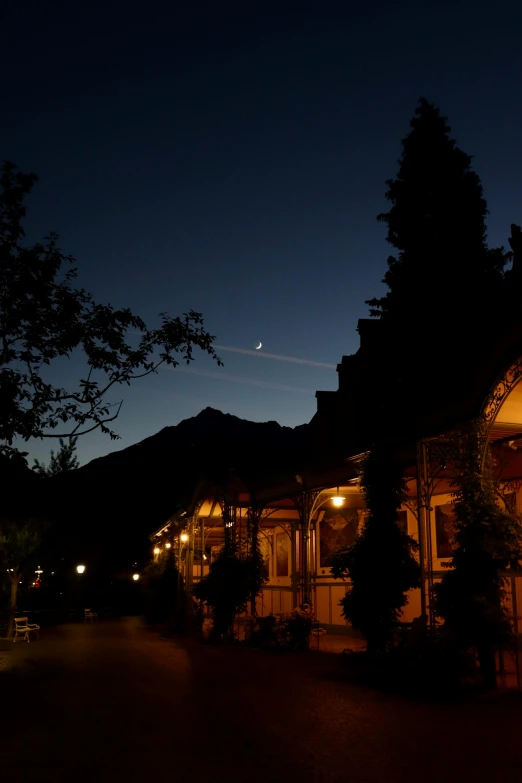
pixel 259 346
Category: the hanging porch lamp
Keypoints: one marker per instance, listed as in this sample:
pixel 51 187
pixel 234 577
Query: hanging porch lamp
pixel 338 499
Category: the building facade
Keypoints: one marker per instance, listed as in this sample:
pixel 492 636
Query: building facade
pixel 304 517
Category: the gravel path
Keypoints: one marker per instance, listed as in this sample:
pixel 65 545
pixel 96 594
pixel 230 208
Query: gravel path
pixel 113 702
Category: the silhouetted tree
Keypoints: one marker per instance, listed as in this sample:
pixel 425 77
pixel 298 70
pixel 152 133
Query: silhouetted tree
pixel 380 563
pixel 19 539
pixel 443 268
pixel 43 317
pixel 62 462
pixel 163 591
pixel 488 541
pixel 226 590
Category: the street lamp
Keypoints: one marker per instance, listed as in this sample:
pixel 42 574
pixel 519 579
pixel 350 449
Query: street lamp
pixel 157 550
pixel 182 539
pixel 80 569
pixel 135 577
pixel 168 545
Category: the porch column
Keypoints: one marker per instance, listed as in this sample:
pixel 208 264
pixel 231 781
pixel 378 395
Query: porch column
pixel 313 561
pixel 189 563
pixel 202 530
pixel 305 503
pixel 305 575
pixel 432 456
pixel 421 521
pixel 293 565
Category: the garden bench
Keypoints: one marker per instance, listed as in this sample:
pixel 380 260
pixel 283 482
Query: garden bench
pixel 23 628
pixel 88 615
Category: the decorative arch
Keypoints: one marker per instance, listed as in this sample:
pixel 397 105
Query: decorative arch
pixel 501 415
pixel 499 394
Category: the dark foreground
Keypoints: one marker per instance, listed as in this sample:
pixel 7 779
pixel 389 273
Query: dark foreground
pixel 112 702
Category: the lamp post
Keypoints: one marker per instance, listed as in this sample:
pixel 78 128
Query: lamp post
pixel 182 539
pixel 80 569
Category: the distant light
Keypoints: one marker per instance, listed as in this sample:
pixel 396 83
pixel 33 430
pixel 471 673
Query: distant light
pixel 135 577
pixel 167 546
pixel 157 550
pixel 337 500
pixel 204 557
pixel 80 569
pixel 184 537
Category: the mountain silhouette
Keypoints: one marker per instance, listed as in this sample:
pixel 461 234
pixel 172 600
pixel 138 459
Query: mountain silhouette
pixel 127 494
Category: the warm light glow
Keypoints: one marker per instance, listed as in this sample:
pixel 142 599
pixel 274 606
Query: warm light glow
pixel 184 537
pixel 80 569
pixel 204 557
pixel 156 550
pixel 167 546
pixel 135 577
pixel 338 501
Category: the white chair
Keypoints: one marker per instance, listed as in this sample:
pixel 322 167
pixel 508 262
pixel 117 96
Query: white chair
pixel 23 628
pixel 88 615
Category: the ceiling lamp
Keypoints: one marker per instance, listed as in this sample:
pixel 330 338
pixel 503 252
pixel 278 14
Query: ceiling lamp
pixel 338 499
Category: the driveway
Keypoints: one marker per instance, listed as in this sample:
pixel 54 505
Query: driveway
pixel 113 702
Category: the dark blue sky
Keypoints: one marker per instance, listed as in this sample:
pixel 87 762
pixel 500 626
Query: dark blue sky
pixel 231 158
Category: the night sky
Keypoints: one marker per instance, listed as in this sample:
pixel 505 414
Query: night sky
pixel 232 158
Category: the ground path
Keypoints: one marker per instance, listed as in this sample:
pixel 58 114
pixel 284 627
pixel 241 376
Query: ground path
pixel 113 702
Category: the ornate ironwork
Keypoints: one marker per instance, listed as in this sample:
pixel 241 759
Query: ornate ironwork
pixel 268 511
pixel 436 460
pixel 441 458
pixel 500 391
pixel 509 486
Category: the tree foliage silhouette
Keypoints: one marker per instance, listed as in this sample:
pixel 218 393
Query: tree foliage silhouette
pixel 19 539
pixel 61 462
pixel 437 225
pixel 381 563
pixel 43 317
pixel 226 589
pixel 488 541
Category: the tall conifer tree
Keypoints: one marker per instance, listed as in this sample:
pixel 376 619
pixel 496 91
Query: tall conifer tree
pixel 437 225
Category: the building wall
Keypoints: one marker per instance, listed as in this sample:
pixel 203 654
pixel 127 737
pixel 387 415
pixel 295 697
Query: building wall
pixel 328 592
